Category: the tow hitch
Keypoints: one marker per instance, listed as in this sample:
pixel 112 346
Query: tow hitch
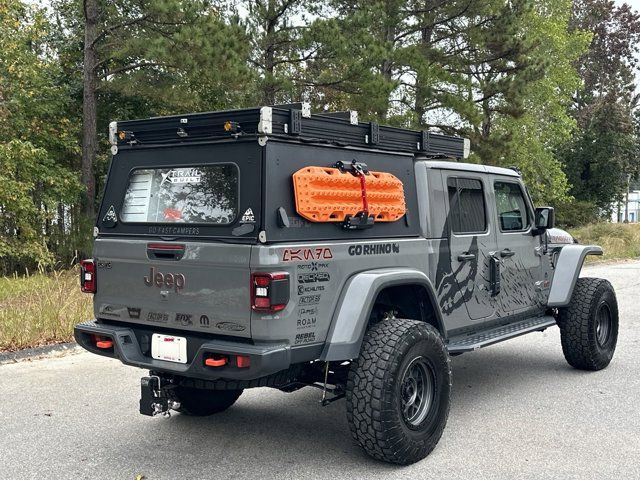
pixel 153 398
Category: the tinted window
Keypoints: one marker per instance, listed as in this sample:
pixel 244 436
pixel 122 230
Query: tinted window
pixel 512 207
pixel 466 205
pixel 203 195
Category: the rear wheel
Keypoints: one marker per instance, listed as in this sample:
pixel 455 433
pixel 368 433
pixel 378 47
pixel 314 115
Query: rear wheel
pixel 202 402
pixel 589 325
pixel 398 391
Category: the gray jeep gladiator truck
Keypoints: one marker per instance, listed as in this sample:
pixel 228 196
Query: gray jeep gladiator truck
pixel 270 247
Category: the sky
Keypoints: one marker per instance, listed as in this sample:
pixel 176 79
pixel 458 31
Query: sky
pixel 634 3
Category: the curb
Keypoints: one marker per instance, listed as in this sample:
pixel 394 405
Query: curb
pixel 58 349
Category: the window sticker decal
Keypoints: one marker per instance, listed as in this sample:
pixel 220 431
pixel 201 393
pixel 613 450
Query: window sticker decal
pixel 182 175
pixel 248 216
pixel 110 218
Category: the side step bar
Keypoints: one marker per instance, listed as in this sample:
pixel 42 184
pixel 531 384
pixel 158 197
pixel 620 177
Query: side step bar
pixel 474 341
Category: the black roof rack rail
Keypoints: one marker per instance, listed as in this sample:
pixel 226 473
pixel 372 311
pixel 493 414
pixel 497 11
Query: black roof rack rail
pixel 290 122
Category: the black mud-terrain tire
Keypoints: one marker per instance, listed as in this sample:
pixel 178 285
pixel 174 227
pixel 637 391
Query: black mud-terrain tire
pixel 379 389
pixel 200 402
pixel 589 325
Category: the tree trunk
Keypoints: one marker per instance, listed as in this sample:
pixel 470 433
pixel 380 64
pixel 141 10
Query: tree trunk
pixel 268 96
pixel 426 34
pixel 89 105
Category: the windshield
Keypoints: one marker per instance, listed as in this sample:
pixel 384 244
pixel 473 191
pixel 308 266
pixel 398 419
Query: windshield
pixel 196 195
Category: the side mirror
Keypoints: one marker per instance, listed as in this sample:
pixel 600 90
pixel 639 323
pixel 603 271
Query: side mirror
pixel 545 218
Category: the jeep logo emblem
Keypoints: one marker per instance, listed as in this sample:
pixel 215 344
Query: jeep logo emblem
pixel 169 280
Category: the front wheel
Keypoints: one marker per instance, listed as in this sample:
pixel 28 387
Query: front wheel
pixel 200 402
pixel 589 325
pixel 398 391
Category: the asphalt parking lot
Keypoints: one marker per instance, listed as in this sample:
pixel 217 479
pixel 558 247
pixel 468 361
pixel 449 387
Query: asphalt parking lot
pixel 518 411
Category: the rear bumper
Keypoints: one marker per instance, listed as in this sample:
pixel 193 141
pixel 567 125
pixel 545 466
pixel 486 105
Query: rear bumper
pixel 265 358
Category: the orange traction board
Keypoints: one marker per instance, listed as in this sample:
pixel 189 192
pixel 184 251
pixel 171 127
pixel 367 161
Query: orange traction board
pixel 329 195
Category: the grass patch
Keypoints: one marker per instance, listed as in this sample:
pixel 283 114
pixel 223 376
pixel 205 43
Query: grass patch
pixel 41 309
pixel 618 240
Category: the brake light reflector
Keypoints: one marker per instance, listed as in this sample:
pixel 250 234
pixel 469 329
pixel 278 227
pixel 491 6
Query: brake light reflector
pixel 243 361
pixel 269 291
pixel 88 276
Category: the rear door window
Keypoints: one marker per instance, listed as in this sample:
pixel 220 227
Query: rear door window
pixel 191 195
pixel 466 205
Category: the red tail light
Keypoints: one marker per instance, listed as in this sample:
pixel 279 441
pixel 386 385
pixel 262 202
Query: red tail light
pixel 269 291
pixel 88 276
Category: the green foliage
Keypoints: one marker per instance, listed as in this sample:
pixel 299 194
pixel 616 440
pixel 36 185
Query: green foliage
pixel 574 213
pixel 604 153
pixel 545 123
pixel 32 187
pixel 32 135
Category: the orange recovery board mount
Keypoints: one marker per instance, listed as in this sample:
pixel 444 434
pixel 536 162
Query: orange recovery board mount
pixel 337 194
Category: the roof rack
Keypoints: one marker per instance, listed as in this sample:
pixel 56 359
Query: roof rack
pixel 293 122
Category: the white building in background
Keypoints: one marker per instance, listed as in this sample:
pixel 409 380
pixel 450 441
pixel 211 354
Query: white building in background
pixel 619 212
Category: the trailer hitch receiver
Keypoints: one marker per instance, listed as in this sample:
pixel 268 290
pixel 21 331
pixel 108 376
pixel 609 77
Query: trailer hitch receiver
pixel 153 398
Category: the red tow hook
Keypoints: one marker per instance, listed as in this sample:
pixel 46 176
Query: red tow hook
pixel 102 343
pixel 216 361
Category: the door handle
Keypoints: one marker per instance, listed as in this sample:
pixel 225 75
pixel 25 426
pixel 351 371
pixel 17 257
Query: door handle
pixel 466 257
pixel 507 253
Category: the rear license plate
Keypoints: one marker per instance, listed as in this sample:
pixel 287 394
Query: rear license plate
pixel 169 348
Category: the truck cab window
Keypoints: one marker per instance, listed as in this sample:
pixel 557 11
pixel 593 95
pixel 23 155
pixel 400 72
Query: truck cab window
pixel 467 210
pixel 512 207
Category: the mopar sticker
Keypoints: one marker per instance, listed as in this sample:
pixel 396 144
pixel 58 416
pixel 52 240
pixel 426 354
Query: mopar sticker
pixel 204 321
pixel 374 249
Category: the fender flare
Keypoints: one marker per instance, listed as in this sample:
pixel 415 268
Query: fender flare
pixel 350 319
pixel 568 266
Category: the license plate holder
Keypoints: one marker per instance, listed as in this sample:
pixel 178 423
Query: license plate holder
pixel 169 348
